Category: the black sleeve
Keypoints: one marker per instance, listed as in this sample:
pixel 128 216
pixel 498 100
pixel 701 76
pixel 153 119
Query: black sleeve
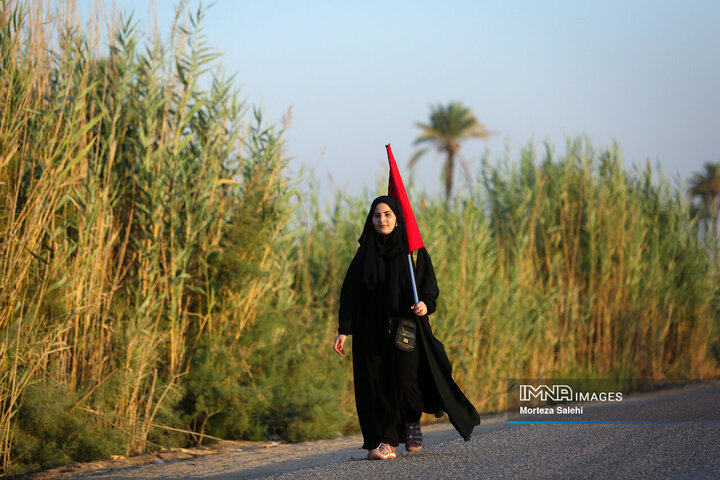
pixel 345 314
pixel 426 282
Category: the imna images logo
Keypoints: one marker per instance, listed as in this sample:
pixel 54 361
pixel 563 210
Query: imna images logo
pixel 563 393
pixel 556 393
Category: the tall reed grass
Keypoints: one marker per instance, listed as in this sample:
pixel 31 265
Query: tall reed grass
pixel 162 280
pixel 140 212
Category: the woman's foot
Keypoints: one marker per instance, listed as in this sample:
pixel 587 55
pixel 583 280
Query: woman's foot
pixel 382 452
pixel 413 437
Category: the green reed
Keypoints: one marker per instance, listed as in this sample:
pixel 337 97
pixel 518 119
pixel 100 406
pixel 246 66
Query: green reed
pixel 139 213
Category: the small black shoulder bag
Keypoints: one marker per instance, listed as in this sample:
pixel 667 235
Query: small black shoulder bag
pixel 405 334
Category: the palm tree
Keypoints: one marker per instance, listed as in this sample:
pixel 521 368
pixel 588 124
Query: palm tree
pixel 449 125
pixel 706 187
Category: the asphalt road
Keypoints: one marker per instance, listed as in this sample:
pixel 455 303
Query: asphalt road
pixel 498 450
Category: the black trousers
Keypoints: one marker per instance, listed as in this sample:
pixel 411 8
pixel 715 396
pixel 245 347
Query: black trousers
pixel 403 382
pixel 388 391
pixel 407 367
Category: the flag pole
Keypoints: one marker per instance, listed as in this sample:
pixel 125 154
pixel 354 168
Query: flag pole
pixel 412 279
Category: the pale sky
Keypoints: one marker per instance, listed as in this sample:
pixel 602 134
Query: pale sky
pixel 360 74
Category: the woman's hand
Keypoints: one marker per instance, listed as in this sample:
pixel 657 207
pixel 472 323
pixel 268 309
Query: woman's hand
pixel 339 343
pixel 419 309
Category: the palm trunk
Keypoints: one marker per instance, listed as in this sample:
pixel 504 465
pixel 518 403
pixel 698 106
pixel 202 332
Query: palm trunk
pixel 449 174
pixel 715 211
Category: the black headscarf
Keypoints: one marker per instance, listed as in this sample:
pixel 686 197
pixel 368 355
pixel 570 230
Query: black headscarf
pixel 384 258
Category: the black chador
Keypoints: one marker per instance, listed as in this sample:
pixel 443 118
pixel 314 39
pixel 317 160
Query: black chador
pixel 393 387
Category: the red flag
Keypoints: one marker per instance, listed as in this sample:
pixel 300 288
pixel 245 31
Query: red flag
pixel 396 190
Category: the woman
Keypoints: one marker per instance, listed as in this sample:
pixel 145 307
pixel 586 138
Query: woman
pixel 393 387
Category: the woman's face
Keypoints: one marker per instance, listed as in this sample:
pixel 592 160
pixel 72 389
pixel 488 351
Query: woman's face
pixel 384 219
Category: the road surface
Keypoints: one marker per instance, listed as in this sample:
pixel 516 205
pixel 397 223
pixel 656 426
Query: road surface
pixel 496 450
